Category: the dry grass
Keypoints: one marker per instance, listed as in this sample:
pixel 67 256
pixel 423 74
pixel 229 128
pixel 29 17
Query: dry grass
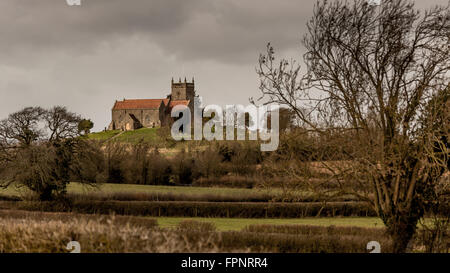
pixel 143 222
pixel 30 235
pixel 94 236
pixel 192 225
pixel 31 232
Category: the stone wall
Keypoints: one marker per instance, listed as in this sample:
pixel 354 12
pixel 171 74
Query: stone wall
pixel 123 119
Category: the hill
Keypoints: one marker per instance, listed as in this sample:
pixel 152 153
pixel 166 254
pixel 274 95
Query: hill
pixel 147 135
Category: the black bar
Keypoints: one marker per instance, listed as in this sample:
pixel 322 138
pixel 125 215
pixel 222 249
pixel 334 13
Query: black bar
pixel 224 262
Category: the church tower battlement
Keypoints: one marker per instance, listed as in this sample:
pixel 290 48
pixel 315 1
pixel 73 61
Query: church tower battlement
pixel 183 90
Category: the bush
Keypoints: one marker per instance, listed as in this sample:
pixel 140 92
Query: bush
pixel 288 243
pixel 49 216
pixel 192 225
pixel 95 236
pixel 50 232
pixel 169 196
pixel 115 154
pixel 184 171
pixel 158 170
pixel 229 181
pixel 135 167
pixel 204 209
pixel 208 163
pixel 316 230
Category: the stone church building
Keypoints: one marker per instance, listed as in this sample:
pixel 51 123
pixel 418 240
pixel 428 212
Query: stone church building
pixel 132 114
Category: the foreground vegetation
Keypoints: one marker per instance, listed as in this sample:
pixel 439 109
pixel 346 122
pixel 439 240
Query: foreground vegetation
pixel 133 192
pixel 112 234
pixel 22 231
pixel 375 143
pixel 261 224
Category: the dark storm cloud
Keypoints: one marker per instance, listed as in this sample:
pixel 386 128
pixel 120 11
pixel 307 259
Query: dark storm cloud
pixel 86 57
pixel 222 30
pixel 206 29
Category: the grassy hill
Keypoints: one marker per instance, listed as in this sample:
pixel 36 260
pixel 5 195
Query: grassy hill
pixel 152 136
pixel 148 135
pixel 104 135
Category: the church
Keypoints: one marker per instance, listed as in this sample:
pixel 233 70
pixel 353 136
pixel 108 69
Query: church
pixel 132 114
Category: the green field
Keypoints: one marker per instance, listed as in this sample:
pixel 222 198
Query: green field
pixel 223 224
pixel 149 135
pixel 132 188
pixel 115 188
pixel 104 135
pixel 228 224
pixel 145 135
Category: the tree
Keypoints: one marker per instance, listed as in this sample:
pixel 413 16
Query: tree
pixel 286 120
pixel 372 71
pixel 61 123
pixel 21 128
pixel 41 150
pixel 85 126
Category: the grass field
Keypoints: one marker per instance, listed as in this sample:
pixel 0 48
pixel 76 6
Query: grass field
pixel 113 188
pixel 235 224
pixel 104 135
pixel 222 224
pixel 132 188
pixel 149 135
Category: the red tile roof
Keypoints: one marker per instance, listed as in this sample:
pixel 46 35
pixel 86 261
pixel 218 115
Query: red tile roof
pixel 138 104
pixel 147 104
pixel 178 102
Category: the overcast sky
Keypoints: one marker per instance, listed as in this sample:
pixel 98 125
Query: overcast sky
pixel 86 57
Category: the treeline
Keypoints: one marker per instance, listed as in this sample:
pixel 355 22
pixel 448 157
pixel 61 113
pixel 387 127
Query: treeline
pixel 219 163
pixel 201 209
pixel 144 164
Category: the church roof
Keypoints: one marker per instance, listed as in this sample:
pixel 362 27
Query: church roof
pixel 138 104
pixel 178 102
pixel 172 103
pixel 147 104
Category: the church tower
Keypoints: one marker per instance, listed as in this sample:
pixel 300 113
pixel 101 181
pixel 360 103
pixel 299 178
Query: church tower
pixel 183 90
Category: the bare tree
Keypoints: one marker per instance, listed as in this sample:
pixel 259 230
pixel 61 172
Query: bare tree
pixel 61 123
pixel 22 127
pixel 41 149
pixel 374 70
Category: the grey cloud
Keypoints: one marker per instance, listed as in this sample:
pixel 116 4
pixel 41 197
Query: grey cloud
pixel 227 31
pixel 86 57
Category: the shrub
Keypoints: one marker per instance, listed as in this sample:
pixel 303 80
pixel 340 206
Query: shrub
pixel 103 219
pixel 288 243
pixel 158 170
pixel 95 236
pixel 204 209
pixel 208 163
pixel 169 196
pixel 135 167
pixel 315 230
pixel 115 154
pixel 229 181
pixel 184 171
pixel 192 225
